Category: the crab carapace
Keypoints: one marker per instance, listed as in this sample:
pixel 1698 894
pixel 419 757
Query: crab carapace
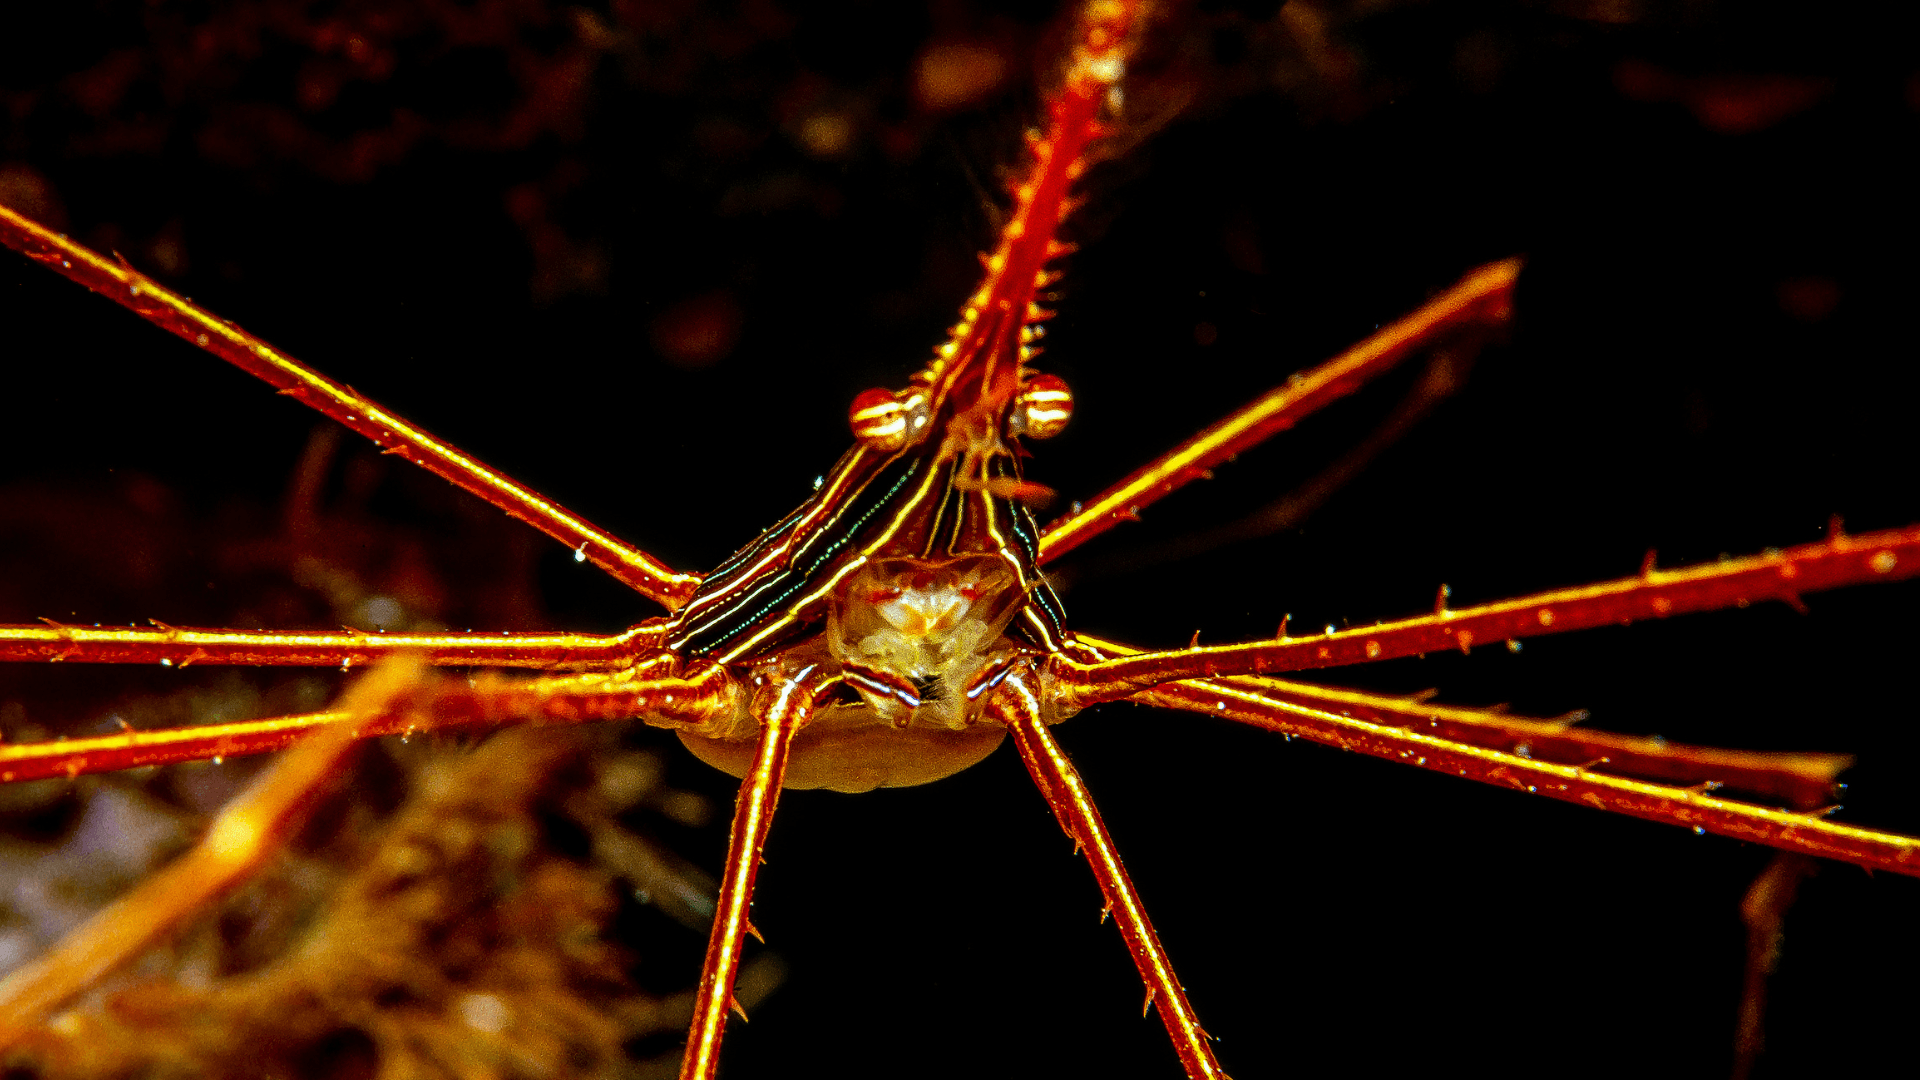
pixel 912 573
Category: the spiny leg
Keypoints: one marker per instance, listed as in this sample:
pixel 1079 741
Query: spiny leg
pixel 480 702
pixel 240 838
pixel 1446 370
pixel 133 749
pixel 1016 704
pixel 1804 781
pixel 176 314
pixel 1483 297
pixel 184 646
pixel 1692 807
pixel 181 646
pixel 399 696
pixel 1777 575
pixel 782 708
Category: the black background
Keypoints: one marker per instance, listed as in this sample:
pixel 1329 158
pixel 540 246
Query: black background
pixel 1713 352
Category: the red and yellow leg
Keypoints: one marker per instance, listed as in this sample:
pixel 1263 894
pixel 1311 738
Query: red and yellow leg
pixel 1693 807
pixel 440 704
pixel 398 696
pixel 782 707
pixel 182 646
pixel 1016 703
pixel 1482 298
pixel 176 314
pixel 1804 781
pixel 1778 575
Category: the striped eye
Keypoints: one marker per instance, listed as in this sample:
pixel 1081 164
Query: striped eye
pixel 879 419
pixel 1043 408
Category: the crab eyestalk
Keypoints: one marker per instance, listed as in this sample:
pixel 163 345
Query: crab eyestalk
pixel 1042 408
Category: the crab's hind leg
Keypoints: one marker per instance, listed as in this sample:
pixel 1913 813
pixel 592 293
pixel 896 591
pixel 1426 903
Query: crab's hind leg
pixel 175 313
pixel 182 646
pixel 1016 704
pixel 240 839
pixel 632 653
pixel 1782 575
pixel 401 695
pixel 1189 679
pixel 1803 781
pixel 473 703
pixel 782 709
pixel 1697 807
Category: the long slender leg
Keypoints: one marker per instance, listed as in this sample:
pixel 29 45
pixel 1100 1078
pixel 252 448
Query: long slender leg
pixel 1444 374
pixel 1809 833
pixel 241 837
pixel 434 706
pixel 782 709
pixel 132 749
pixel 399 695
pixel 180 646
pixel 1779 575
pixel 1484 296
pixel 1804 781
pixel 176 314
pixel 1016 704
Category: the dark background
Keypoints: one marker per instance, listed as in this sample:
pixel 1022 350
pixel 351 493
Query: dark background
pixel 641 257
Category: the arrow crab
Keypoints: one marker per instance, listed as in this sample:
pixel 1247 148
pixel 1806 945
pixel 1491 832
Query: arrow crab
pixel 1656 392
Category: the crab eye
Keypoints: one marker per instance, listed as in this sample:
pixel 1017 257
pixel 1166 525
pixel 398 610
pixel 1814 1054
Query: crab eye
pixel 1042 409
pixel 879 419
